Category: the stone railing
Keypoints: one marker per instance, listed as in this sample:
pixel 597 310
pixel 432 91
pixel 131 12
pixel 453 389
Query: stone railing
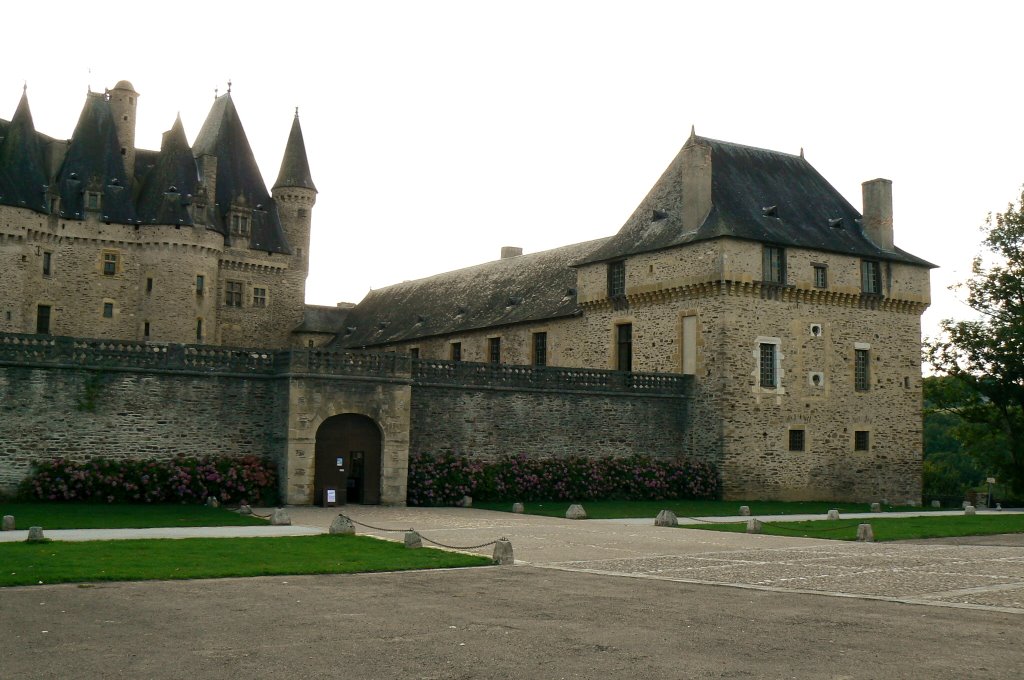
pixel 20 349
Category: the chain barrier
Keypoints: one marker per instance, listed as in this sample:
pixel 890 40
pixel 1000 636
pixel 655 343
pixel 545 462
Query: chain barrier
pixel 776 525
pixel 424 538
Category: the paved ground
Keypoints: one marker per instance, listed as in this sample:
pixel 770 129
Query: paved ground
pixel 590 599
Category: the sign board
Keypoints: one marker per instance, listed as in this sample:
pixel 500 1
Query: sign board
pixel 341 461
pixel 332 496
pixel 991 480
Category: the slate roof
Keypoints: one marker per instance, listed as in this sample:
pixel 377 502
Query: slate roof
pixel 323 319
pixel 295 166
pixel 238 177
pixel 518 289
pixel 23 180
pixel 171 182
pixel 744 181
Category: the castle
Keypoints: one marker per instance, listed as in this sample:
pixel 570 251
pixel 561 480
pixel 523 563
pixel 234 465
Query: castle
pixel 745 312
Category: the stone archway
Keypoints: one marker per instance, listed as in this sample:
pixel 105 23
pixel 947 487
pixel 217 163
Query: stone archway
pixel 347 460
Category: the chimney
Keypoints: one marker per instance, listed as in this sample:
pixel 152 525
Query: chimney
pixel 510 251
pixel 696 170
pixel 877 222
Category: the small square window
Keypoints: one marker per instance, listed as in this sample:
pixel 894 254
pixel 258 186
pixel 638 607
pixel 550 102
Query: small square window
pixel 414 352
pixel 233 293
pixel 109 264
pixel 108 310
pixel 259 297
pixel 820 276
pixel 47 263
pixel 861 440
pixel 93 200
pixel 796 440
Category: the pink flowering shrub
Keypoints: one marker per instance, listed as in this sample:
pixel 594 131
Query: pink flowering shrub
pixel 446 478
pixel 191 480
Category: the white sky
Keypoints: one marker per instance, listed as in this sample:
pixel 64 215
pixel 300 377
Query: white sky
pixel 438 132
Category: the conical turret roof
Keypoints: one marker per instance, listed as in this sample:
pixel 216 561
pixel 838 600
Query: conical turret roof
pixel 171 184
pixel 295 165
pixel 22 175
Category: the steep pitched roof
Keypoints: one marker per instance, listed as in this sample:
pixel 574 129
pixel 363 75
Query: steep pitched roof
pixel 238 177
pixel 94 164
pixel 169 186
pixel 322 319
pixel 295 166
pixel 518 289
pixel 23 177
pixel 745 181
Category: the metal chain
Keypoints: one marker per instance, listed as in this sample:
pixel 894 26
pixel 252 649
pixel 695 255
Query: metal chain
pixel 369 526
pixel 422 537
pixel 776 525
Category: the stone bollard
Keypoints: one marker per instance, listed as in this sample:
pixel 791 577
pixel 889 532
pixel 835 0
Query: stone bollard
pixel 280 518
pixel 876 507
pixel 575 511
pixel 833 514
pixel 666 518
pixel 969 511
pixel 342 525
pixel 212 502
pixel 503 552
pixel 965 504
pixel 744 511
pixel 412 540
pixel 465 502
pixel 244 509
pixel 754 526
pixel 518 507
pixel 865 533
pixel 936 504
pixel 999 507
pixel 35 535
pixel 8 524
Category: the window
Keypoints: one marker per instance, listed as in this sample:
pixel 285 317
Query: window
pixel 109 264
pixel 302 213
pixel 624 347
pixel 456 351
pixel 861 440
pixel 149 285
pixel 43 319
pixel 145 329
pixel 494 350
pixel 773 264
pixel 200 283
pixel 259 297
pixel 689 348
pixel 54 205
pixel 199 330
pixel 769 374
pixel 414 352
pixel 616 278
pixel 239 225
pixel 92 200
pixel 820 276
pixel 108 310
pixel 796 440
pixel 47 263
pixel 233 293
pixel 870 277
pixel 540 349
pixel 862 369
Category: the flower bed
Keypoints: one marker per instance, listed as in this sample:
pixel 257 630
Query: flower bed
pixel 444 479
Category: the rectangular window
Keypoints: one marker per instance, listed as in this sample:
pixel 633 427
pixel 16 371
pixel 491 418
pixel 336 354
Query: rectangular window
pixel 862 369
pixel 773 264
pixel 43 319
pixel 92 200
pixel 259 297
pixel 820 276
pixel 109 264
pixel 689 349
pixel 233 293
pixel 540 349
pixel 239 225
pixel 871 277
pixel 200 284
pixel 145 330
pixel 768 372
pixel 456 351
pixel 47 263
pixel 796 440
pixel 199 330
pixel 494 350
pixel 108 310
pixel 861 440
pixel 149 285
pixel 616 278
pixel 624 347
pixel 414 352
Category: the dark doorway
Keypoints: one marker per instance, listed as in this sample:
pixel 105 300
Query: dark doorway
pixel 348 461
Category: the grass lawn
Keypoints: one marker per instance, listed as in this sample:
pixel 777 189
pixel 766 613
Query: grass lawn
pixel 682 508
pixel 888 529
pixel 68 562
pixel 121 515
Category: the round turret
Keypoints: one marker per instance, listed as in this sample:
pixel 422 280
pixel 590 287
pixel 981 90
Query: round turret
pixel 123 104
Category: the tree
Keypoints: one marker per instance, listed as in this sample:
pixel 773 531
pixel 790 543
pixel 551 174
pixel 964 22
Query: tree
pixel 984 358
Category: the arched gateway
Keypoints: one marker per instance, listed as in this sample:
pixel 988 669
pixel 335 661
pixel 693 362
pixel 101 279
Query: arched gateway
pixel 348 461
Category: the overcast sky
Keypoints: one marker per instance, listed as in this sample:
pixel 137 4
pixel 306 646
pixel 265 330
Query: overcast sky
pixel 438 132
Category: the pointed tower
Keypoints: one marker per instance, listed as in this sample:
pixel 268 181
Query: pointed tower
pixel 22 176
pixel 123 105
pixel 295 195
pixel 166 195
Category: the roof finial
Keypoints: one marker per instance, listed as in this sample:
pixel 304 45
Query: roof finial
pixel 693 132
pixel 229 85
pixel 216 91
pixel 296 111
pixel 801 152
pixel 24 87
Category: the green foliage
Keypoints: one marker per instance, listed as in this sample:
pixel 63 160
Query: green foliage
pixel 67 515
pixel 605 509
pixel 956 451
pixel 984 358
pixel 889 529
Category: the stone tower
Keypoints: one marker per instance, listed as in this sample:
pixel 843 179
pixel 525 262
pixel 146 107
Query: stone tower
pixel 123 105
pixel 295 195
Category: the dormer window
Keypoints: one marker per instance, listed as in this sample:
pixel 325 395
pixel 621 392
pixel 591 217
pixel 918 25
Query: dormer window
pixel 93 200
pixel 239 225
